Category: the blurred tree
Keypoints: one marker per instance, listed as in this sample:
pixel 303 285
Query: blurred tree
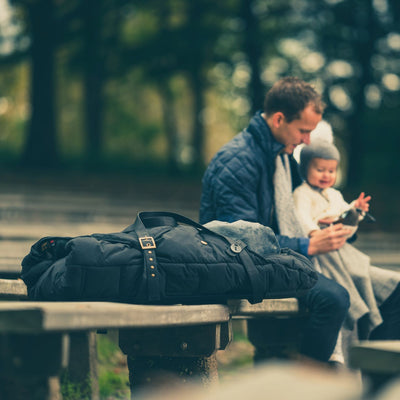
pixel 91 41
pixel 41 144
pixel 360 43
pixel 79 27
pixel 251 34
pixel 167 98
pixel 205 24
pixel 93 66
pixel 198 50
pixel 121 49
pixel 252 46
pixel 98 58
pixel 184 43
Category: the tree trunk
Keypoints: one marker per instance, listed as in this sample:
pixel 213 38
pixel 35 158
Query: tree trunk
pixel 198 127
pixel 170 126
pixel 196 78
pixel 93 80
pixel 364 47
pixel 41 145
pixel 253 51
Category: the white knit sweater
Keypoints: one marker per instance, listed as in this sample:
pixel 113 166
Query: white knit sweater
pixel 314 204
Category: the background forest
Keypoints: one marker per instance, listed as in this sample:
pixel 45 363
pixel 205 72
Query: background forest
pixel 157 86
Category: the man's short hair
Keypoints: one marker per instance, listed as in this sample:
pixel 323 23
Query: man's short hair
pixel 291 96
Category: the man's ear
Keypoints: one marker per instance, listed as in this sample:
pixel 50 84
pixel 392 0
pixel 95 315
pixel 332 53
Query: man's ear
pixel 277 119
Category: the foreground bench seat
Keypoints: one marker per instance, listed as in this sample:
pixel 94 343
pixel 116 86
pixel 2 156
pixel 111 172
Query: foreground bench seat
pixel 379 361
pixel 38 317
pixel 158 340
pixel 35 337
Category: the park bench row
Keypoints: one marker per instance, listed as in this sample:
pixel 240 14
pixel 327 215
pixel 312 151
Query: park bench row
pixel 38 340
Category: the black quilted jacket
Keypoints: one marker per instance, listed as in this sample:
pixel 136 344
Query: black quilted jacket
pixel 188 265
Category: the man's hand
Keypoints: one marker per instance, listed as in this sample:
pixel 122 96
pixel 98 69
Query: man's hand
pixel 328 239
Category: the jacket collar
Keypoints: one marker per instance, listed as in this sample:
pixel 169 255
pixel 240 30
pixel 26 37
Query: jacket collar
pixel 261 132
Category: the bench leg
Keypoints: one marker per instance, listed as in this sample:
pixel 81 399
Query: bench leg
pixel 82 364
pixel 29 366
pixel 374 382
pixel 34 388
pixel 171 371
pixel 172 356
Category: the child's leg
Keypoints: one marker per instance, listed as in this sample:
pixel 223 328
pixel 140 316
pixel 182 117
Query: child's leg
pixel 337 355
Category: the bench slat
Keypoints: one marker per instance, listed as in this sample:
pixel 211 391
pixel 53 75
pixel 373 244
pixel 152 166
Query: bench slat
pixel 376 356
pixel 36 317
pixel 12 288
pixel 272 307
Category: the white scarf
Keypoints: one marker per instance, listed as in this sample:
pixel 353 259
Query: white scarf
pixel 287 221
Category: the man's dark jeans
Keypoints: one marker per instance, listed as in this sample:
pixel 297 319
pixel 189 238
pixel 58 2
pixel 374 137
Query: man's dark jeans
pixel 326 303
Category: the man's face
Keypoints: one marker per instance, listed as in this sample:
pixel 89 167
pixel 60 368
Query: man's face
pixel 293 133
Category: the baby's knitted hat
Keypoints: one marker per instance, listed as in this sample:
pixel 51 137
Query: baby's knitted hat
pixel 317 149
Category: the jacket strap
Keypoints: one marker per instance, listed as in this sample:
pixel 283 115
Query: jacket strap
pixel 257 286
pixel 151 270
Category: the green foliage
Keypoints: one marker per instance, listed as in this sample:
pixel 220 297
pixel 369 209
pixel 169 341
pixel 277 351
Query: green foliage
pixel 132 123
pixel 140 25
pixel 73 391
pixel 14 111
pixel 106 349
pixel 231 50
pixel 113 384
pixel 113 373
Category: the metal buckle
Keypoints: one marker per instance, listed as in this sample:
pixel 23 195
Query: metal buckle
pixel 147 242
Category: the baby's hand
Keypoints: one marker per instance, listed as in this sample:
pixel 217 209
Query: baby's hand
pixel 362 202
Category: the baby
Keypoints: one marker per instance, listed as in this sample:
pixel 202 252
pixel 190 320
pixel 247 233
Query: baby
pixel 370 288
pixel 317 203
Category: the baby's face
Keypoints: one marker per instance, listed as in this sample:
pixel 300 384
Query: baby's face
pixel 322 173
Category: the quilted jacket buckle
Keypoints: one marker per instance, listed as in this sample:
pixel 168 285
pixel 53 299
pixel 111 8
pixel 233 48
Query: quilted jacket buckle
pixel 147 242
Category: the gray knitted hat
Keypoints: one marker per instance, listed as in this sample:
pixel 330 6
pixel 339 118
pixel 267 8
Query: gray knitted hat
pixel 317 149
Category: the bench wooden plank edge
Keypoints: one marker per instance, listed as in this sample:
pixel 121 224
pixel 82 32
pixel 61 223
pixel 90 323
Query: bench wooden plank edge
pixel 381 357
pixel 268 307
pixel 36 317
pixel 13 288
pixel 238 308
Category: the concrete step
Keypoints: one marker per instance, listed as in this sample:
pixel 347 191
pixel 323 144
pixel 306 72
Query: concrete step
pixel 78 207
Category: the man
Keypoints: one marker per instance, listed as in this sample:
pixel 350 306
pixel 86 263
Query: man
pixel 239 184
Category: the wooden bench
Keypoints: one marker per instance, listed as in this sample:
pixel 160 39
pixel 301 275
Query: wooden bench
pixel 273 326
pixel 35 338
pixel 39 339
pixel 379 361
pixel 13 289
